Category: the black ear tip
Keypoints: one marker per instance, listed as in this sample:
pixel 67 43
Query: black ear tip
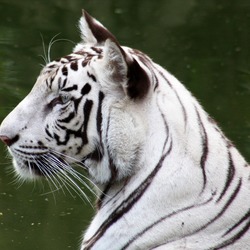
pixel 85 14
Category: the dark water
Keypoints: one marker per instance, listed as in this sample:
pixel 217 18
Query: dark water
pixel 204 43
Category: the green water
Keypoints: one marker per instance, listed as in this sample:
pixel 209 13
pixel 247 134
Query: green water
pixel 204 43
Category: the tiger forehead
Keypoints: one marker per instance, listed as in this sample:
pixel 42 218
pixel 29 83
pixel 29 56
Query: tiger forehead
pixel 55 74
pixel 84 56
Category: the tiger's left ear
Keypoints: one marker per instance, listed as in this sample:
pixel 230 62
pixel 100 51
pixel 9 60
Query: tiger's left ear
pixel 92 31
pixel 118 69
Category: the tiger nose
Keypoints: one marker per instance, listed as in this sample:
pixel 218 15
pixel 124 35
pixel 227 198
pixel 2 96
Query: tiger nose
pixel 8 141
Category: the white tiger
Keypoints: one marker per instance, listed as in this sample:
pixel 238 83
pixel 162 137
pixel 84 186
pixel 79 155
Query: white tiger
pixel 169 178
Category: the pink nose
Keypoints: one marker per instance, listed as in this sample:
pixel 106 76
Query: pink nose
pixel 8 141
pixel 5 139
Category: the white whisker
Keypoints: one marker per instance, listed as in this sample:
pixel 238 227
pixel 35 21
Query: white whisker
pixel 78 175
pixel 44 57
pixel 47 55
pixel 63 172
pixel 53 41
pixel 46 171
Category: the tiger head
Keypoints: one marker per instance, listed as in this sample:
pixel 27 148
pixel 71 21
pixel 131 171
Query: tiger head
pixel 82 109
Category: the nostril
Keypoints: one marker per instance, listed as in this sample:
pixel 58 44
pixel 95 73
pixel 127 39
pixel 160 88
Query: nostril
pixel 5 139
pixel 8 141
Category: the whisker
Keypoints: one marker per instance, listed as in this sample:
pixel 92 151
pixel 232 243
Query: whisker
pixel 53 173
pixel 50 175
pixel 46 171
pixel 61 169
pixel 44 57
pixel 80 164
pixel 53 41
pixel 77 175
pixel 18 180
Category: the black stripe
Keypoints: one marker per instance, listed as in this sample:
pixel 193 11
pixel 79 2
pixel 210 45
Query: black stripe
pixel 204 148
pixel 69 58
pixel 91 76
pixel 86 89
pixel 238 235
pixel 184 112
pixel 82 132
pixel 48 133
pixel 166 127
pixel 97 50
pixel 128 203
pixel 162 219
pixel 100 151
pixel 84 63
pixel 245 217
pixel 230 200
pixel 74 65
pixel 97 154
pixel 59 82
pixel 76 103
pixel 112 168
pixel 117 193
pixel 230 175
pixel 156 81
pixel 99 114
pixel 64 70
pixel 68 118
pixel 58 141
pixel 47 84
pixel 74 87
pixel 64 82
pixel 86 110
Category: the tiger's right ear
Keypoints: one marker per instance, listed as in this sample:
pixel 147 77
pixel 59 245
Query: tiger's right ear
pixel 120 72
pixel 92 31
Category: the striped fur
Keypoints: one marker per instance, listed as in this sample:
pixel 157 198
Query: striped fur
pixel 168 178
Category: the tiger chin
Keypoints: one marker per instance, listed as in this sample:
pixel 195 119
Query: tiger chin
pixel 169 178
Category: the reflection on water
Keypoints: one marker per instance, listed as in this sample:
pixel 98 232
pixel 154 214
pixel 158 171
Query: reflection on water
pixel 206 45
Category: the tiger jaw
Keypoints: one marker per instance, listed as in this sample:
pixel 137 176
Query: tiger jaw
pixel 32 162
pixel 26 169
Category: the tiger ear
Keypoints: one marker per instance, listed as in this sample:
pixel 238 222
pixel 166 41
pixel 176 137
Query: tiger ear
pixel 118 68
pixel 122 72
pixel 92 31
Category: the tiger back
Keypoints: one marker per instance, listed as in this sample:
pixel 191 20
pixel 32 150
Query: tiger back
pixel 167 176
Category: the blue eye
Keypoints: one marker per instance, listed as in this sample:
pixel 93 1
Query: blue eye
pixel 64 98
pixel 61 99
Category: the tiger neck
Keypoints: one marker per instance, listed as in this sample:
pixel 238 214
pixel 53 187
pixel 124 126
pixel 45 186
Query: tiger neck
pixel 150 133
